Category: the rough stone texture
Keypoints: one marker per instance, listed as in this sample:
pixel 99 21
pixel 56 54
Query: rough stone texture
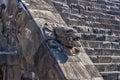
pixel 98 23
pixel 62 65
pixel 29 30
pixel 39 58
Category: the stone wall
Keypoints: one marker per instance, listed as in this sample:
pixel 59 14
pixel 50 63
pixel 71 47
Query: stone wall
pixel 37 59
pixel 52 64
pixel 98 22
pixel 28 53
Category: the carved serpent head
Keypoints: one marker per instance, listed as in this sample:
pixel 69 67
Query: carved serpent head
pixel 67 36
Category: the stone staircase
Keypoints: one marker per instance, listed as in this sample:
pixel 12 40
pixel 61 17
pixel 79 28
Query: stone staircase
pixel 27 53
pixel 98 21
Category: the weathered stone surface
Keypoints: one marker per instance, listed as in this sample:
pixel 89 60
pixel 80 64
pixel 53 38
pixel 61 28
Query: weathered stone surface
pixel 28 29
pixel 98 23
pixel 55 57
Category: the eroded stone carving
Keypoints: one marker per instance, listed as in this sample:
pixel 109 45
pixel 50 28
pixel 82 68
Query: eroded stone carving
pixel 66 39
pixel 70 38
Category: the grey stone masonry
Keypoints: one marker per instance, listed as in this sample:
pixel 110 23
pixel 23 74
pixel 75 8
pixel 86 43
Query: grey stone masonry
pixel 98 22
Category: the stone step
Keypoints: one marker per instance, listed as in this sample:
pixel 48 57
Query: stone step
pixel 106 2
pixel 97 41
pixel 102 20
pixel 99 37
pixel 103 67
pixel 98 3
pixel 91 30
pixel 97 64
pixel 100 44
pixel 105 59
pixel 111 49
pixel 80 3
pixel 102 51
pixel 83 3
pixel 98 24
pixel 108 9
pixel 99 14
pixel 105 26
pixel 110 72
pixel 96 18
pixel 111 75
pixel 101 48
